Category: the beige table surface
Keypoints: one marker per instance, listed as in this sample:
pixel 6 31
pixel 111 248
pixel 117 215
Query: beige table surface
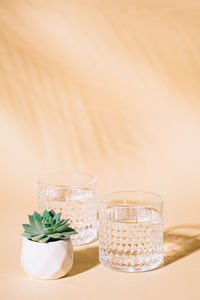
pixel 109 88
pixel 178 278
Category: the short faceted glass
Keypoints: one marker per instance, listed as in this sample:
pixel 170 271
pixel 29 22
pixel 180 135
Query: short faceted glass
pixel 72 194
pixel 131 231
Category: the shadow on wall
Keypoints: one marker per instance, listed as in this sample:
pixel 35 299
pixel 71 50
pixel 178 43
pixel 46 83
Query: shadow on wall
pixel 179 242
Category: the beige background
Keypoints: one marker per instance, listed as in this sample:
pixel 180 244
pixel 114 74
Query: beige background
pixel 109 88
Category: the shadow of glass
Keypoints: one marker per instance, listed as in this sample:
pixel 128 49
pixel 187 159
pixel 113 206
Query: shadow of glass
pixel 84 260
pixel 180 241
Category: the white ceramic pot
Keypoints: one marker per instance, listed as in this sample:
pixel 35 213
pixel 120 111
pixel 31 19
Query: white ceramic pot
pixel 47 260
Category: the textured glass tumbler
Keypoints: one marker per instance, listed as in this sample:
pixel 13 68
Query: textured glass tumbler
pixel 72 194
pixel 131 231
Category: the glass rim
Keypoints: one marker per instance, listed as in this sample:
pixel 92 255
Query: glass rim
pixel 153 202
pixel 91 182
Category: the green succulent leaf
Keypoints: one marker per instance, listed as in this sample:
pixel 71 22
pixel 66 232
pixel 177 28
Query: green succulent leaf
pixel 46 217
pixel 47 227
pixel 70 232
pixel 48 230
pixel 38 237
pixel 52 213
pixel 26 235
pixel 55 235
pixel 62 228
pixel 26 226
pixel 38 220
pixel 32 222
pixel 44 240
pixel 56 218
pixel 31 231
pixel 60 223
pixel 45 214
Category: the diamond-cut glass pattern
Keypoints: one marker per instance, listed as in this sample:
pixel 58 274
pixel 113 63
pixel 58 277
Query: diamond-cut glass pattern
pixel 130 239
pixel 78 204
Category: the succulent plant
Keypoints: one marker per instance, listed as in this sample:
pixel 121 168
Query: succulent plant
pixel 47 227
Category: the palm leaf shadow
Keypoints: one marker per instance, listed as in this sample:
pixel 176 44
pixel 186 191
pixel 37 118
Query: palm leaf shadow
pixel 180 241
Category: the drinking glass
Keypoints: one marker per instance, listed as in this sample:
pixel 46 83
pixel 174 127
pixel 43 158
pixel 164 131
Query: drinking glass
pixel 131 230
pixel 72 194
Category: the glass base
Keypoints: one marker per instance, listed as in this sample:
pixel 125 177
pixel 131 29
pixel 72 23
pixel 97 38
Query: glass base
pixel 131 269
pixel 83 239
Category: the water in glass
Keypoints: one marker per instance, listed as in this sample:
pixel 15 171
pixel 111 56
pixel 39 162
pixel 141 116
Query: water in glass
pixel 130 239
pixel 78 204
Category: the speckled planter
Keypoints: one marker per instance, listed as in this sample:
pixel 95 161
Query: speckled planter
pixel 47 260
